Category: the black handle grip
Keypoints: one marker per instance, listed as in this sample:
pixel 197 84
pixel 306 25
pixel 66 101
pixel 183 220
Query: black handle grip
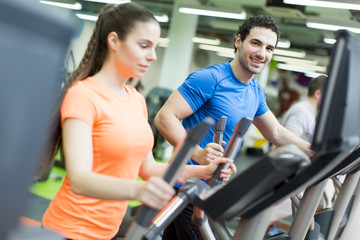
pixel 218 136
pixel 195 135
pixel 219 130
pixel 145 214
pixel 230 151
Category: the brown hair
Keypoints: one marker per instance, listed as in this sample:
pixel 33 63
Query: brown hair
pixel 263 21
pixel 316 84
pixel 113 18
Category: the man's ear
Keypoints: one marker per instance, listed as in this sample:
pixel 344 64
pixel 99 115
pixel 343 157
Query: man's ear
pixel 317 94
pixel 237 41
pixel 112 40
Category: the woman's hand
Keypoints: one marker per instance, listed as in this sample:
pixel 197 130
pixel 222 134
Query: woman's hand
pixel 155 193
pixel 225 173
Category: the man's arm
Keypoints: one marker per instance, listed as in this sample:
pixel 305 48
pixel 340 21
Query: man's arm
pixel 295 133
pixel 274 132
pixel 168 122
pixel 168 119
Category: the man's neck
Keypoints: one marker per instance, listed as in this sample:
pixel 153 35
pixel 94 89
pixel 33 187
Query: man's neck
pixel 313 103
pixel 239 72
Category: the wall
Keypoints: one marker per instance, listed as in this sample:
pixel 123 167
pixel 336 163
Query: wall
pixel 199 59
pixel 83 33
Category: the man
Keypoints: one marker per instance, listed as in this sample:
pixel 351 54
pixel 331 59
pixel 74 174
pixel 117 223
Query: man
pixel 229 90
pixel 301 117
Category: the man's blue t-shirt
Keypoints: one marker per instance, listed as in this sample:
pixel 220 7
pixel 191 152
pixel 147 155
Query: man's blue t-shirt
pixel 215 91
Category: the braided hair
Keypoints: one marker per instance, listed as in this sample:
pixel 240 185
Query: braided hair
pixel 113 18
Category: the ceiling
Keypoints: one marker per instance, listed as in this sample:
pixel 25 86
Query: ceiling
pixel 291 19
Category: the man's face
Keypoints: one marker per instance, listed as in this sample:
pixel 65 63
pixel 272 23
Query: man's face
pixel 256 50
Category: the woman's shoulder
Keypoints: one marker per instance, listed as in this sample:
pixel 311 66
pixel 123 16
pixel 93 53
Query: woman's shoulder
pixel 82 85
pixel 134 92
pixel 88 90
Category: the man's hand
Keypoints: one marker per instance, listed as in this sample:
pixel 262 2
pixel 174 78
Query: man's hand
pixel 211 152
pixel 307 149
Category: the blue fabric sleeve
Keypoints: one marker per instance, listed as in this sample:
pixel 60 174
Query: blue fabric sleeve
pixel 263 107
pixel 198 88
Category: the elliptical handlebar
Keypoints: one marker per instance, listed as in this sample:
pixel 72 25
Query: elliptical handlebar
pixel 145 214
pixel 230 151
pixel 219 130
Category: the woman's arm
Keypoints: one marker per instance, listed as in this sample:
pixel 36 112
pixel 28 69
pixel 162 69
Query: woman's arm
pixel 152 168
pixel 78 151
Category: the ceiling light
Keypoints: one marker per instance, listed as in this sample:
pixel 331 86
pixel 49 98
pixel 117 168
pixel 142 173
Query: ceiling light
pixel 87 17
pixel 216 48
pixel 213 12
pixel 313 74
pixel 329 40
pixel 301 68
pixel 283 44
pixel 292 68
pixel 164 18
pixel 163 42
pixel 206 41
pixel 226 54
pixel 91 17
pixel 164 45
pixel 326 4
pixel 331 27
pixel 74 6
pixel 294 60
pixel 225 25
pixel 221 51
pixel 309 66
pixel 110 1
pixel 298 54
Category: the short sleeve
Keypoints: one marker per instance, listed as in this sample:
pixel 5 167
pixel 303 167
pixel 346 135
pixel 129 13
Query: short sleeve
pixel 77 104
pixel 198 88
pixel 263 107
pixel 295 122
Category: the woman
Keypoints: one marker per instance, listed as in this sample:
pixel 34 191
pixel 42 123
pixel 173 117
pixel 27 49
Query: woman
pixel 104 133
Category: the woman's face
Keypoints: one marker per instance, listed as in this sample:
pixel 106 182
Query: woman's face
pixel 137 51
